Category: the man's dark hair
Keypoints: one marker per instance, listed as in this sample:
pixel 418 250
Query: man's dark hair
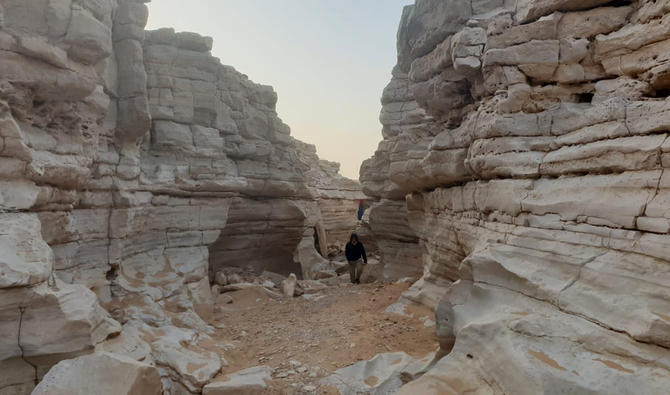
pixel 353 236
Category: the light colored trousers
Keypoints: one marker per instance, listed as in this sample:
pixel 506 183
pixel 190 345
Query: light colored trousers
pixel 355 270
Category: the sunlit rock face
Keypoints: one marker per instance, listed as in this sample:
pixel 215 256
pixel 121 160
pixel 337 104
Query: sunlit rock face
pixel 529 139
pixel 133 165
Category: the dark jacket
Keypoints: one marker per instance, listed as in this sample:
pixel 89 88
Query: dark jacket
pixel 355 252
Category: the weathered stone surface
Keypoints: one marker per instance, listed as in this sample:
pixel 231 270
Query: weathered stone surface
pixel 537 194
pixel 100 373
pixel 25 259
pixel 383 374
pixel 76 321
pixel 249 381
pixel 123 156
pixel 400 255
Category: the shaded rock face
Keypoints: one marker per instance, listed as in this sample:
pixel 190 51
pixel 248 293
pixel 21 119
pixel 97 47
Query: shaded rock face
pixel 123 155
pixel 530 140
pixel 338 200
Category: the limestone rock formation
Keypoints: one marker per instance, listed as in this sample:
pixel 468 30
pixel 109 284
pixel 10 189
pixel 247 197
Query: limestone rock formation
pixel 530 139
pixel 42 319
pixel 133 167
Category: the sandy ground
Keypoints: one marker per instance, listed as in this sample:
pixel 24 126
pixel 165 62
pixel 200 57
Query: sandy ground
pixel 307 339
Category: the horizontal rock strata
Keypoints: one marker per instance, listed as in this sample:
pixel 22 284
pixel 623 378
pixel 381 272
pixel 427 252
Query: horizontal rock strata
pixel 133 166
pixel 530 140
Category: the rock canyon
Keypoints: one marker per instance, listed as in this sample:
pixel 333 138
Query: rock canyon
pixel 161 232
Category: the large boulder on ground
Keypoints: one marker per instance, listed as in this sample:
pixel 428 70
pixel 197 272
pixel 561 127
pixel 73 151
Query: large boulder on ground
pixel 101 374
pixel 291 287
pixel 382 375
pixel 246 382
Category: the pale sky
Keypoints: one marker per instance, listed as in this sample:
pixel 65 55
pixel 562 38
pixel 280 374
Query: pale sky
pixel 328 60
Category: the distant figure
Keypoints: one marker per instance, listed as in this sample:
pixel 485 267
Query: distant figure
pixel 361 209
pixel 355 253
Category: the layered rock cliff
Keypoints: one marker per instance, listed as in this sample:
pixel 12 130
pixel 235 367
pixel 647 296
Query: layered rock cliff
pixel 133 166
pixel 529 139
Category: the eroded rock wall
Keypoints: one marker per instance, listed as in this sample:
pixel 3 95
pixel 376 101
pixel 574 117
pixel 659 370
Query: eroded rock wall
pixel 535 174
pixel 51 108
pixel 407 131
pixel 338 199
pixel 123 156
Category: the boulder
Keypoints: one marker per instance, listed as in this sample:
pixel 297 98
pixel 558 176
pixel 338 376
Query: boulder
pixel 249 381
pixel 101 373
pixel 291 287
pixel 383 374
pixel 221 279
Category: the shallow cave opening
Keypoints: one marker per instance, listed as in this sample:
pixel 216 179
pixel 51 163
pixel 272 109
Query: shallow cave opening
pixel 111 274
pixel 618 3
pixel 662 93
pixel 585 97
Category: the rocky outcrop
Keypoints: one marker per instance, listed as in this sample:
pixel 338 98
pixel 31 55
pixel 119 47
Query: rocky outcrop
pixel 43 320
pixel 407 131
pixel 530 140
pixel 134 166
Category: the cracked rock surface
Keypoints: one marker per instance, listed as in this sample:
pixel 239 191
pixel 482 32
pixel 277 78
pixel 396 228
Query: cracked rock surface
pixel 133 167
pixel 527 142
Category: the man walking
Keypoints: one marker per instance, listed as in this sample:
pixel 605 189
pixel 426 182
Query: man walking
pixel 355 253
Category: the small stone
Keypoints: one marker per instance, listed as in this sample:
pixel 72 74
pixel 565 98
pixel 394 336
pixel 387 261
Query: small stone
pixel 309 388
pixel 302 369
pixel 353 345
pixel 221 279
